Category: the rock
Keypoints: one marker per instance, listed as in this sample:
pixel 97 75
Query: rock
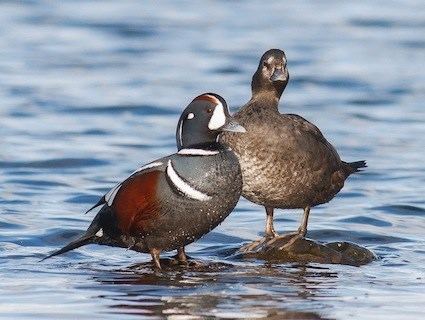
pixel 352 254
pixel 290 248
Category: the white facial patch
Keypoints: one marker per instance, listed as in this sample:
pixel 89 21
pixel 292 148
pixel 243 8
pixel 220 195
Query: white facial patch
pixel 218 118
pixel 183 187
pixel 197 152
pixel 190 116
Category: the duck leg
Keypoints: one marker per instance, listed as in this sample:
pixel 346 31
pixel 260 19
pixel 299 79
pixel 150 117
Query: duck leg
pixel 183 259
pixel 181 255
pixel 270 233
pixel 155 257
pixel 302 230
pixel 301 233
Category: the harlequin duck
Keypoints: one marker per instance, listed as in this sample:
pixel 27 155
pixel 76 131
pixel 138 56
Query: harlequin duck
pixel 286 161
pixel 175 200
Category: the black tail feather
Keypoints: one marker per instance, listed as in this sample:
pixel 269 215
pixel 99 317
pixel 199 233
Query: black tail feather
pixel 99 203
pixel 82 241
pixel 355 166
pixel 88 238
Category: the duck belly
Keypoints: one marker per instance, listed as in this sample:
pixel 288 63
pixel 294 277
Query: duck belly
pixel 290 183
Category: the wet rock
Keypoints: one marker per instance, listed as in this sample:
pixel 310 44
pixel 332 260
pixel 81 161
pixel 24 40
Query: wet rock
pixel 290 248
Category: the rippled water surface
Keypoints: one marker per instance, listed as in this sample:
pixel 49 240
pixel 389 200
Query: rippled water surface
pixel 90 90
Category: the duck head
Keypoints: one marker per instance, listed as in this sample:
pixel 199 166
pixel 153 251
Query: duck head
pixel 272 74
pixel 203 120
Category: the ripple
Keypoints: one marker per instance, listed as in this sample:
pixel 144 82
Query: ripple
pixel 55 163
pixel 37 183
pixel 371 102
pixel 144 146
pixel 10 226
pixel 334 82
pixel 133 109
pixel 403 210
pixel 367 220
pixel 385 23
pixel 351 194
pixel 127 30
pixel 15 202
pixel 216 237
pixel 83 198
pixel 366 238
pixel 374 23
pixel 95 132
pixel 414 44
pixel 228 70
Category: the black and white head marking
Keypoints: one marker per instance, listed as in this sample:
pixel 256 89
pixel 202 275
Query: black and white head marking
pixel 203 120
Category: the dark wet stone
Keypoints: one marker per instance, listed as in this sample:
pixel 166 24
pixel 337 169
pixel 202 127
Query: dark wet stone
pixel 352 253
pixel 290 248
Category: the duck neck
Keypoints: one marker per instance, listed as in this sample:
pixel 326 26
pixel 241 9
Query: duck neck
pixel 191 140
pixel 262 86
pixel 211 146
pixel 265 100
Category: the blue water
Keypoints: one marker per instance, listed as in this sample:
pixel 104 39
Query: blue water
pixel 90 90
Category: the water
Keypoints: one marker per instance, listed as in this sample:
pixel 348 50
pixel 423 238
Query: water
pixel 91 90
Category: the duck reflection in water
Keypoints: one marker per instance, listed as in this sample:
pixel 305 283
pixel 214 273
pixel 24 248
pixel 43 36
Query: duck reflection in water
pixel 212 290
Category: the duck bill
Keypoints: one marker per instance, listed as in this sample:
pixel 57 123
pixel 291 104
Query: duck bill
pixel 278 75
pixel 232 126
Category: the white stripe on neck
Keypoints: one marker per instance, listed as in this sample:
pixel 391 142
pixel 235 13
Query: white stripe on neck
pixel 198 152
pixel 181 185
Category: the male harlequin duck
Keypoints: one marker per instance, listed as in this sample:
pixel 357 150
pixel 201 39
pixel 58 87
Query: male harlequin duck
pixel 286 162
pixel 175 200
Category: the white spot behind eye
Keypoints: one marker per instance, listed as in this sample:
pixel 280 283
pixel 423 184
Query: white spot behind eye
pixel 190 116
pixel 218 118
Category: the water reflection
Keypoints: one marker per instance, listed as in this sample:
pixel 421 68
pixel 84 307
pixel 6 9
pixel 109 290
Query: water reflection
pixel 260 291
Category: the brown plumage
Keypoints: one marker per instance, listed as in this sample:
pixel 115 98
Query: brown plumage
pixel 286 161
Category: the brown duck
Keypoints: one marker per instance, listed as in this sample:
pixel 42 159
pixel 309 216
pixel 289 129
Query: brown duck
pixel 286 161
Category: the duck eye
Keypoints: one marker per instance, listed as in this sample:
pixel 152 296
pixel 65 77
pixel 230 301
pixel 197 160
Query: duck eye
pixel 209 110
pixel 266 64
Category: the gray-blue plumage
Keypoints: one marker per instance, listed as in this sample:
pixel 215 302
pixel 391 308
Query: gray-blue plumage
pixel 175 200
